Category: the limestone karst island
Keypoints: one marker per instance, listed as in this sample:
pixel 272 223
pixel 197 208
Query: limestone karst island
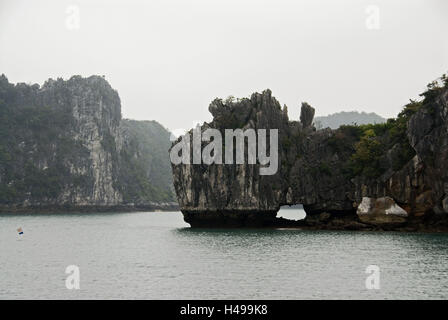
pixel 65 147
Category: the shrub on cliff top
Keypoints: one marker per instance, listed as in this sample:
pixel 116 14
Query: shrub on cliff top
pixel 375 140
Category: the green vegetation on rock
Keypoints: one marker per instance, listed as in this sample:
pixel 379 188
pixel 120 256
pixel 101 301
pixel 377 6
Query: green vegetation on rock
pixel 370 156
pixel 65 143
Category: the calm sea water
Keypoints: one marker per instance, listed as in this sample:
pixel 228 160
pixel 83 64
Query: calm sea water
pixel 156 256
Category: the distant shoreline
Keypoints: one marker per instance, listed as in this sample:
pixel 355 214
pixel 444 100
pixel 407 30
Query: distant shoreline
pixel 89 208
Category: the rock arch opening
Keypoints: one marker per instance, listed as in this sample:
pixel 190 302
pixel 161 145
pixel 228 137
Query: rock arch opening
pixel 292 212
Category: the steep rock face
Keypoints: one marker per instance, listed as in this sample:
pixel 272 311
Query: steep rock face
pixel 428 135
pixel 144 175
pixel 65 145
pixel 96 114
pixel 220 194
pixel 308 172
pixel 315 176
pixel 328 171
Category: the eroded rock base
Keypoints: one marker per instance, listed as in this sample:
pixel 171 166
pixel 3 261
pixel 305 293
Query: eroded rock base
pixel 238 219
pixel 323 221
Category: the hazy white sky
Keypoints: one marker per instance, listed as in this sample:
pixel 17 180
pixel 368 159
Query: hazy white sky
pixel 169 58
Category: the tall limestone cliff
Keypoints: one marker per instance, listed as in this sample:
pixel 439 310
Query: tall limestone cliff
pixel 227 194
pixel 65 146
pixel 377 176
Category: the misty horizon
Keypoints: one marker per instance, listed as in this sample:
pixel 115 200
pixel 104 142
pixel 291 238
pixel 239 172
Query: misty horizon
pixel 169 60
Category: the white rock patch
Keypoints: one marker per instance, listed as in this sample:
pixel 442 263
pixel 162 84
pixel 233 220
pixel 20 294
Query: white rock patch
pixel 365 206
pixel 396 210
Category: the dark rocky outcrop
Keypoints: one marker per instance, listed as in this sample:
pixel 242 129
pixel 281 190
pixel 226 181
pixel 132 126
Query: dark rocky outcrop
pixel 306 115
pixel 64 146
pixel 401 164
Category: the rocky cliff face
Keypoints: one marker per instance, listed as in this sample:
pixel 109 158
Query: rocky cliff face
pixel 390 168
pixel 428 135
pixel 231 194
pixel 65 145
